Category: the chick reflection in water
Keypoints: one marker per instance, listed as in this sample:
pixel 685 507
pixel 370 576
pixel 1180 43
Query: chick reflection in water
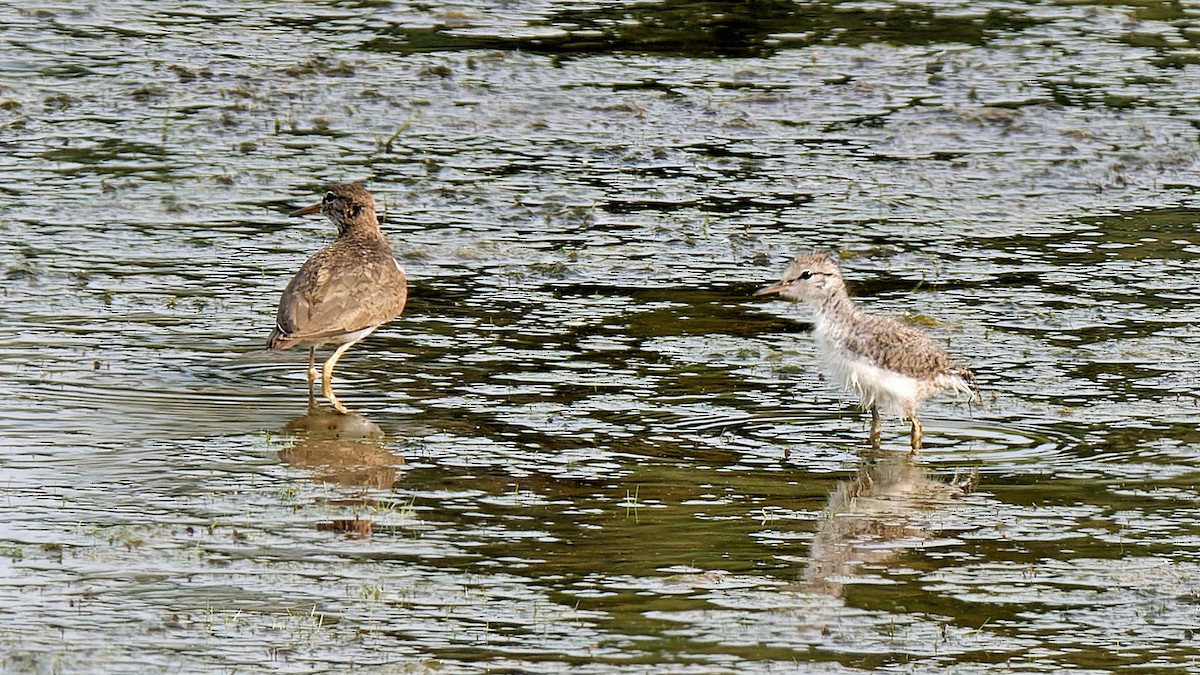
pixel 884 510
pixel 342 449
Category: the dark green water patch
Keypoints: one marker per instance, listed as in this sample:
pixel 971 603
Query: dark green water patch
pixel 708 29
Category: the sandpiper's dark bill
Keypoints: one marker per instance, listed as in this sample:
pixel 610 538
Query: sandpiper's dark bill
pixel 314 208
pixel 768 290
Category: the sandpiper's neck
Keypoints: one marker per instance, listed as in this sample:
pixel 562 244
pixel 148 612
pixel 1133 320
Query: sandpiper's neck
pixel 360 228
pixel 834 307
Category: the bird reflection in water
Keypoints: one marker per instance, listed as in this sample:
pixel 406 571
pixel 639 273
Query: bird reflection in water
pixel 341 449
pixel 883 511
pixel 344 449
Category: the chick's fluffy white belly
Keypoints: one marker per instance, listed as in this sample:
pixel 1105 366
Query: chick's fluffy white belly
pixel 891 391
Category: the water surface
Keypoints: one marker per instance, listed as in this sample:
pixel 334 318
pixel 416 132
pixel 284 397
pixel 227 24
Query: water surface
pixel 584 444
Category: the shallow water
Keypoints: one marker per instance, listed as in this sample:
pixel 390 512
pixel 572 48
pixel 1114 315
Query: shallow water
pixel 597 450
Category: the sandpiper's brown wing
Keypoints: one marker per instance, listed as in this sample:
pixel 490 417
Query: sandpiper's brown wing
pixel 898 347
pixel 346 287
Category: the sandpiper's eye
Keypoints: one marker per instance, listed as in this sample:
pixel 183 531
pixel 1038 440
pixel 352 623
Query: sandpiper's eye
pixel 329 196
pixel 806 275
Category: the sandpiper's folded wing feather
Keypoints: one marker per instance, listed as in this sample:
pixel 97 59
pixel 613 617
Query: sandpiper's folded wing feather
pixel 325 299
pixel 898 347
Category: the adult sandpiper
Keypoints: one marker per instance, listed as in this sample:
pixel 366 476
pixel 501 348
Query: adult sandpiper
pixel 345 291
pixel 888 363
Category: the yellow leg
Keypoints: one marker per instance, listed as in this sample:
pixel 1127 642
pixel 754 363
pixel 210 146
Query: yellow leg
pixel 916 434
pixel 312 375
pixel 327 377
pixel 874 428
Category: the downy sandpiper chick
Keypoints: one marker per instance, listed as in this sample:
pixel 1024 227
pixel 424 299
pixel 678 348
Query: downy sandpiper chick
pixel 345 291
pixel 888 363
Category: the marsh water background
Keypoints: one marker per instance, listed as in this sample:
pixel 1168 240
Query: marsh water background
pixel 600 452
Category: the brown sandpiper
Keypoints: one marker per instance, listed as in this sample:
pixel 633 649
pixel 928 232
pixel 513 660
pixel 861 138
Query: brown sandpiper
pixel 345 291
pixel 889 364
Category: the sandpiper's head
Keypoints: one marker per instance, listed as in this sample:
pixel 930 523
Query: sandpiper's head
pixel 347 205
pixel 811 277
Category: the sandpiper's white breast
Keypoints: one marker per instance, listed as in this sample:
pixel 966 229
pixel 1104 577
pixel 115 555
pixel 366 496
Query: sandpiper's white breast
pixel 891 391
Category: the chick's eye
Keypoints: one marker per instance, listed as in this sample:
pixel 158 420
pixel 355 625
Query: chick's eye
pixel 806 275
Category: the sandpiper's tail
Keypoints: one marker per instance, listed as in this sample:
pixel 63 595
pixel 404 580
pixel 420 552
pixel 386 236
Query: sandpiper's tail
pixel 962 381
pixel 278 339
